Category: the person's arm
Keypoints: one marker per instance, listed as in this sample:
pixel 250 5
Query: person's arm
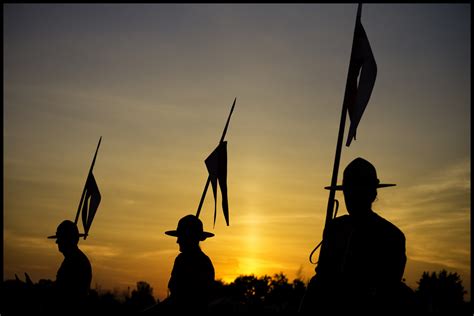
pixel 402 257
pixel 395 259
pixel 323 266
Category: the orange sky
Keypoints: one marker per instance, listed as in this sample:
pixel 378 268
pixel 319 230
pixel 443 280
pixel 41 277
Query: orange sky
pixel 157 82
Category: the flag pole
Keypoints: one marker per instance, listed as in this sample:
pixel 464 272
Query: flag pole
pixel 342 124
pixel 209 177
pixel 85 185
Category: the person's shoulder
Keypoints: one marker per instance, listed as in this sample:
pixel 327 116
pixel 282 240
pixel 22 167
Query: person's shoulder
pixel 207 258
pixel 84 261
pixel 203 256
pixel 194 257
pixel 203 259
pixel 181 260
pixel 191 256
pixel 78 256
pixel 340 221
pixel 83 257
pixel 388 226
pixel 180 257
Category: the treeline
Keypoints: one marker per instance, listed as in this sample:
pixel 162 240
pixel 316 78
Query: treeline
pixel 437 293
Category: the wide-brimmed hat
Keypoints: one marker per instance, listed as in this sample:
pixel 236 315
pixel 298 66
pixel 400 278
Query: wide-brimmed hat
pixel 190 226
pixel 360 173
pixel 67 230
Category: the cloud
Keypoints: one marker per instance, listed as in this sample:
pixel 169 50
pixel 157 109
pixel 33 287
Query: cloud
pixel 99 251
pixel 26 241
pixel 157 254
pixel 435 216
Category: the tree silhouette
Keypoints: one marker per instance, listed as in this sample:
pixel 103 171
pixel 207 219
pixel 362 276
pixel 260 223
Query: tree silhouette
pixel 105 303
pixel 284 296
pixel 142 297
pixel 248 293
pixel 250 290
pixel 437 294
pixel 441 293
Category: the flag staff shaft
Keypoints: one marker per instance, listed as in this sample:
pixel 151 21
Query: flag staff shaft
pixel 203 196
pixel 337 158
pixel 342 124
pixel 228 120
pixel 85 185
pixel 209 177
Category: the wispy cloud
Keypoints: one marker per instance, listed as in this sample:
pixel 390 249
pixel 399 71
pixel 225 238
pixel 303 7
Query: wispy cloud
pixel 26 241
pixel 98 251
pixel 435 216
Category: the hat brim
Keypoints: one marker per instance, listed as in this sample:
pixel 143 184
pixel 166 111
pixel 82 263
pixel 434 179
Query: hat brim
pixel 203 237
pixel 55 237
pixel 340 187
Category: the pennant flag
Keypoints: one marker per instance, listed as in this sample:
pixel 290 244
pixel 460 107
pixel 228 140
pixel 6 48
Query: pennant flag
pixel 358 94
pixel 90 203
pixel 216 165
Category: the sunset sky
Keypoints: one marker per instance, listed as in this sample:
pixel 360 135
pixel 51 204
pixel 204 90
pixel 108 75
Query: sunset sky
pixel 156 81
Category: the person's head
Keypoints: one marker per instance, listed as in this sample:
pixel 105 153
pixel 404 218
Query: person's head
pixel 67 236
pixel 359 186
pixel 189 232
